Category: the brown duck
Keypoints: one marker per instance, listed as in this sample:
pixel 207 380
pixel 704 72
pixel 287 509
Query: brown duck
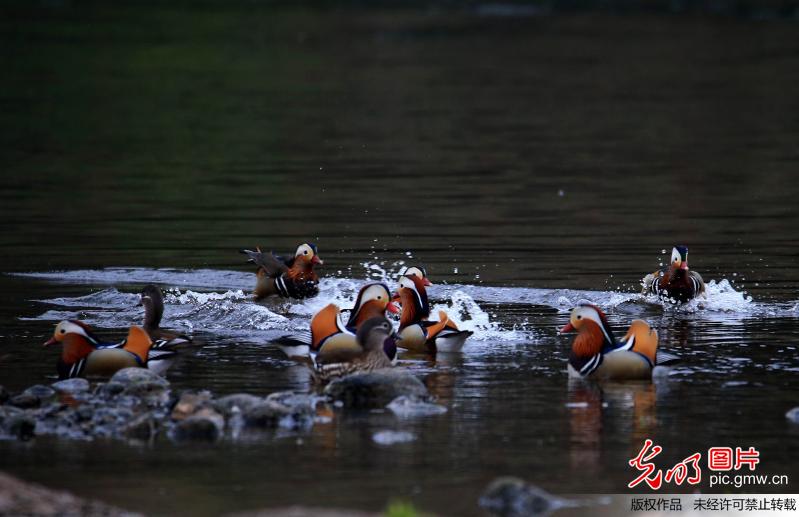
pixel 373 337
pixel 152 299
pixel 288 278
pixel 676 282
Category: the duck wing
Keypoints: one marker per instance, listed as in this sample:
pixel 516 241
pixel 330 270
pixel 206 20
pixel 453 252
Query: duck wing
pixel 268 261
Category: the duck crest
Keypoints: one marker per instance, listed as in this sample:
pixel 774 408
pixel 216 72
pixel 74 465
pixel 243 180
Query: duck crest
pixel 355 318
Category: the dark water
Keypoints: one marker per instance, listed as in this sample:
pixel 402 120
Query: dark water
pixel 517 158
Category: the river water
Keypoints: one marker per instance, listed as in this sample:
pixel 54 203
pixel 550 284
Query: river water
pixel 528 162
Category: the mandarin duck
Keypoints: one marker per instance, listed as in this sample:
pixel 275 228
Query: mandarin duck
pixel 417 271
pixel 417 333
pixel 288 278
pixel 676 282
pixel 373 338
pixel 329 334
pixel 595 352
pixel 153 301
pixel 84 354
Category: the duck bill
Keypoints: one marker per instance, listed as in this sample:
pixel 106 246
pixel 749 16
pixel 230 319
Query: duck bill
pixel 316 260
pixel 392 307
pixel 426 282
pixel 566 328
pixel 684 264
pixel 50 342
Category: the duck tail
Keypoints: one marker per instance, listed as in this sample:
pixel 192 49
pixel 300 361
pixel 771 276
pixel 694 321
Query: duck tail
pixel 138 343
pixel 645 339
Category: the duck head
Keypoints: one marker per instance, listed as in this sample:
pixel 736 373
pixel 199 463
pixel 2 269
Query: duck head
pixel 412 295
pixel 308 255
pixel 679 257
pixel 153 301
pixel 76 338
pixel 377 334
pixel 593 330
pixel 417 271
pixel 373 300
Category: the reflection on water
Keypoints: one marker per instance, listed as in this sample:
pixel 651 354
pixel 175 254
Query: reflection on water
pixel 528 163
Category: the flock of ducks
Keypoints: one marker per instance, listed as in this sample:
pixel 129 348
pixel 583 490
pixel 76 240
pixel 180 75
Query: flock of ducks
pixel 366 339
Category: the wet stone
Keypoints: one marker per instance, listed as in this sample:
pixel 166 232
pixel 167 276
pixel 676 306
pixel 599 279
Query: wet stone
pixel 16 423
pixel 189 403
pixel 71 386
pixel 143 427
pixel 139 381
pixel 25 401
pixel 375 389
pixel 512 497
pixel 242 401
pixel 204 426
pixel 286 410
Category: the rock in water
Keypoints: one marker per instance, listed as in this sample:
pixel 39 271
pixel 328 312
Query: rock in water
pixel 139 382
pixel 189 403
pixel 206 425
pixel 376 389
pixel 16 423
pixel 242 401
pixel 143 427
pixel 277 411
pixel 76 385
pixel 512 497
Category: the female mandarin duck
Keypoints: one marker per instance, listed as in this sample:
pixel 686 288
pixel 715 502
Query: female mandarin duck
pixel 288 278
pixel 329 334
pixel 153 301
pixel 416 332
pixel 596 353
pixel 83 354
pixel 675 282
pixel 374 337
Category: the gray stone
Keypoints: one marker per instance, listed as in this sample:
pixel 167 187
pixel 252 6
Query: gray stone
pixel 371 390
pixel 16 423
pixel 204 426
pixel 139 382
pixel 143 427
pixel 512 497
pixel 277 411
pixel 76 385
pixel 25 401
pixel 242 401
pixel 189 403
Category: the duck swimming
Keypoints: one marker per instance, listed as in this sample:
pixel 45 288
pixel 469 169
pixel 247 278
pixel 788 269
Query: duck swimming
pixel 416 331
pixel 596 354
pixel 676 282
pixel 84 354
pixel 152 299
pixel 373 338
pixel 329 334
pixel 288 278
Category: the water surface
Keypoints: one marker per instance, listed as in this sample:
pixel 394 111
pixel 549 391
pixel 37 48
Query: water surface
pixel 527 162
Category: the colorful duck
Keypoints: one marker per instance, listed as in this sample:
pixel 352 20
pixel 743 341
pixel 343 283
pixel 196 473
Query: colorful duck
pixel 329 333
pixel 416 332
pixel 288 278
pixel 374 336
pixel 84 354
pixel 676 282
pixel 596 353
pixel 417 271
pixel 153 301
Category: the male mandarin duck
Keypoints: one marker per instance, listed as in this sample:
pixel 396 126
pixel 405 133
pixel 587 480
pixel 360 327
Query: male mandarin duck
pixel 676 282
pixel 373 338
pixel 417 271
pixel 153 301
pixel 596 353
pixel 288 278
pixel 84 354
pixel 417 333
pixel 329 333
